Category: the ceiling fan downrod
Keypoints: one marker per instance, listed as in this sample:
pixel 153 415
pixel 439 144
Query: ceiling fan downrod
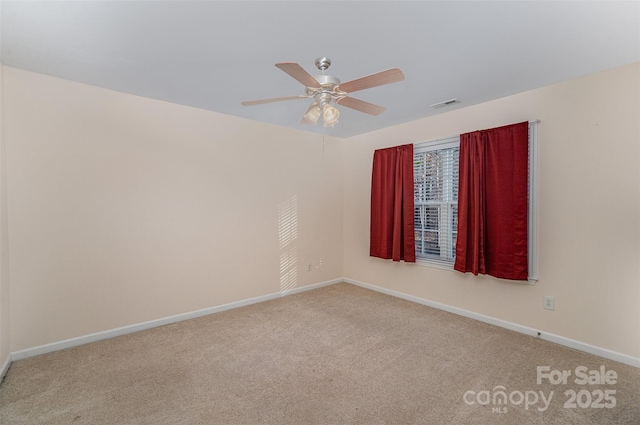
pixel 327 82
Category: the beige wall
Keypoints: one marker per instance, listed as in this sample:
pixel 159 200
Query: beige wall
pixel 588 212
pixel 126 209
pixel 5 348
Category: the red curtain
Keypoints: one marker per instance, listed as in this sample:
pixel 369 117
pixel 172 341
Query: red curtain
pixel 492 202
pixel 392 233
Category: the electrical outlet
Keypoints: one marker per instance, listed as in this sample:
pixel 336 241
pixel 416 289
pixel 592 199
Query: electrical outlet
pixel 549 303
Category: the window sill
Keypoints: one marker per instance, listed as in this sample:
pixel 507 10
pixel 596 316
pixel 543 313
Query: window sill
pixel 434 264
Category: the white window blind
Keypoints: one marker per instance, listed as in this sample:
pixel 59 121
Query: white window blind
pixel 435 178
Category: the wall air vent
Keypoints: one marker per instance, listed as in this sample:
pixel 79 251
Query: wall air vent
pixel 445 103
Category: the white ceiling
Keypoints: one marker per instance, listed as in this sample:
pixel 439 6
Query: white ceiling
pixel 213 54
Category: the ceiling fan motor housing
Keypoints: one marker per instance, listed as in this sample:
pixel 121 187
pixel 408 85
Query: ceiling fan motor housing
pixel 327 93
pixel 327 82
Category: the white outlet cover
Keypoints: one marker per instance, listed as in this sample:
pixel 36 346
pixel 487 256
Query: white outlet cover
pixel 549 303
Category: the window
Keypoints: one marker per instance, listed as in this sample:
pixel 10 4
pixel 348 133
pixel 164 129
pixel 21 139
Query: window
pixel 435 181
pixel 435 177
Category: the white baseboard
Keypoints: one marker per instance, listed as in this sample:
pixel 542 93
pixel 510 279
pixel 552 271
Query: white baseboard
pixel 567 342
pixel 98 336
pixel 560 340
pixel 5 368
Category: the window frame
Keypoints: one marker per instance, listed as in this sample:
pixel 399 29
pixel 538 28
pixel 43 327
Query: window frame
pixel 532 248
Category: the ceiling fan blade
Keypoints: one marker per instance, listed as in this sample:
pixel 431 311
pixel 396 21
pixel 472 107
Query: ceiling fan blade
pixel 361 105
pixel 389 76
pixel 297 72
pixel 275 99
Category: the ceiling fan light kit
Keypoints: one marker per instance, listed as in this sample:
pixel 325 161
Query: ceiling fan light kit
pixel 330 115
pixel 312 115
pixel 327 91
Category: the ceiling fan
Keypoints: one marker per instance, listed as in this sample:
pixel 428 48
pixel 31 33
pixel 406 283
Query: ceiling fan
pixel 327 90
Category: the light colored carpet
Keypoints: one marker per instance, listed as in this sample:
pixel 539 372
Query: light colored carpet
pixel 335 355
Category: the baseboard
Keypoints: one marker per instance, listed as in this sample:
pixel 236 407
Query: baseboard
pixel 5 368
pixel 560 340
pixel 98 336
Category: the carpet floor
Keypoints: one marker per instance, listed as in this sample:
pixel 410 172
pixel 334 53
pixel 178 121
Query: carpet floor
pixel 339 354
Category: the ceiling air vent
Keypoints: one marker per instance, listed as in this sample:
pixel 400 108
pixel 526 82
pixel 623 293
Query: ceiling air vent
pixel 445 103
